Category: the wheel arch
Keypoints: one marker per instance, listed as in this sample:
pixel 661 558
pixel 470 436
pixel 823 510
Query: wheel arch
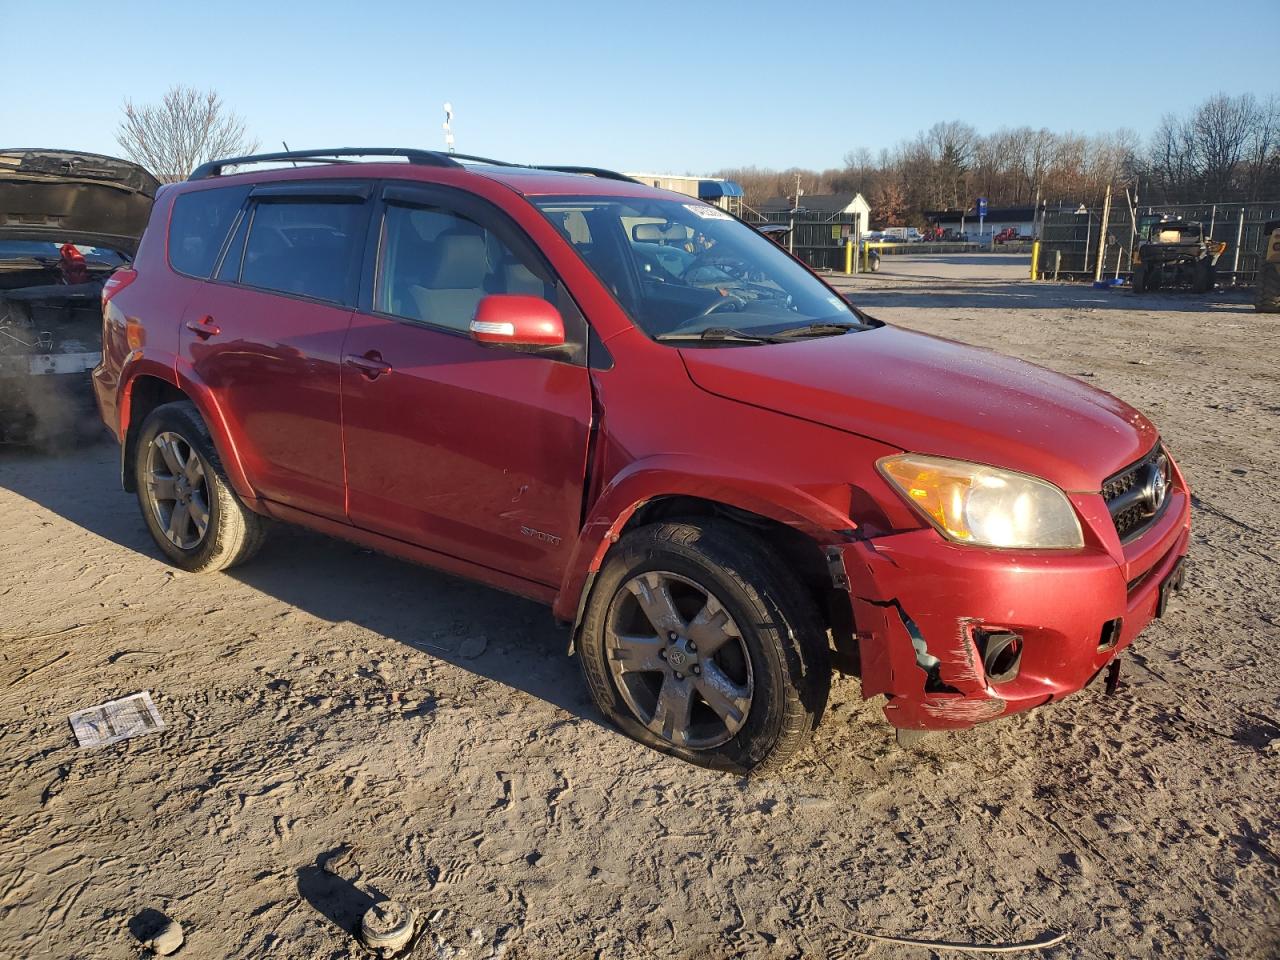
pixel 150 387
pixel 798 525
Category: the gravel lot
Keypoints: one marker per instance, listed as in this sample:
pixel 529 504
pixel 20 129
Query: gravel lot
pixel 324 696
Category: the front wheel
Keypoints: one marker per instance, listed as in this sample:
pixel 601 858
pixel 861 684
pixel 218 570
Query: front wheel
pixel 187 503
pixel 1267 296
pixel 697 643
pixel 1203 279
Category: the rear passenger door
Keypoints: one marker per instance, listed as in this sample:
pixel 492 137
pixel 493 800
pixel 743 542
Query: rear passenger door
pixel 478 452
pixel 265 336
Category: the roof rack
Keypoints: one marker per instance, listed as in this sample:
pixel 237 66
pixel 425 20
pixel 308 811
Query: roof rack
pixel 590 171
pixel 429 158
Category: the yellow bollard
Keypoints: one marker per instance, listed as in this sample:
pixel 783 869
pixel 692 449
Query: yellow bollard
pixel 1035 259
pixel 848 256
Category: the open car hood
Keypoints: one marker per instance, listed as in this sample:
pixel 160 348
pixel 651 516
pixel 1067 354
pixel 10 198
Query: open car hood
pixel 66 196
pixel 928 395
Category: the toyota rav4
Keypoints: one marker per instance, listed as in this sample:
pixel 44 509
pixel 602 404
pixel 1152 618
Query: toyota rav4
pixel 627 404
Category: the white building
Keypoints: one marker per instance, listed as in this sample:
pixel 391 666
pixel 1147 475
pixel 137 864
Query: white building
pixel 725 194
pixel 822 206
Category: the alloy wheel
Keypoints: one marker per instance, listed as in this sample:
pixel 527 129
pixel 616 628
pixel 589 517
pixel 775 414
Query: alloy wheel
pixel 679 660
pixel 177 490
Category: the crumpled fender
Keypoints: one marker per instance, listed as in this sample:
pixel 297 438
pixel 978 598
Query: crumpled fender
pixel 888 643
pixel 688 475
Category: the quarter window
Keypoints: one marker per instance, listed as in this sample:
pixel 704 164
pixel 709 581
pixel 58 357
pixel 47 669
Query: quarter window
pixel 198 226
pixel 436 265
pixel 303 248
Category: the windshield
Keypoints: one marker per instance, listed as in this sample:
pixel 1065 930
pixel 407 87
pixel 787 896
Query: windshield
pixel 687 268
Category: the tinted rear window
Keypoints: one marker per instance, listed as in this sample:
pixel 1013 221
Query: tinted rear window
pixel 304 248
pixel 198 225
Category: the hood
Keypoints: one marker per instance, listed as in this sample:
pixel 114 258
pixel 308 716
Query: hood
pixel 71 197
pixel 928 395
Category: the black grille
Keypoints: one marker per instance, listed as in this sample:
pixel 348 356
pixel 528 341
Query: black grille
pixel 1138 494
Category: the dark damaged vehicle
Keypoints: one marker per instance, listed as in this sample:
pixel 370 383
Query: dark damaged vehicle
pixel 634 408
pixel 67 221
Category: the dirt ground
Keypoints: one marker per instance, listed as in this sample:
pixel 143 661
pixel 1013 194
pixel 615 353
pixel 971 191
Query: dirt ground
pixel 324 697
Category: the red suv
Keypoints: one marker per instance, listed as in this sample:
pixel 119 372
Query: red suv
pixel 631 406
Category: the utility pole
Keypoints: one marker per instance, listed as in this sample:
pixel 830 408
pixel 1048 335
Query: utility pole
pixel 448 126
pixel 1102 235
pixel 795 208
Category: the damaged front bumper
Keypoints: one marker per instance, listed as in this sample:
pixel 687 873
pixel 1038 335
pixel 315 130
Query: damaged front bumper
pixel 927 612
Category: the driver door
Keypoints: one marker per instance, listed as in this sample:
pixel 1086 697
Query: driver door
pixel 478 452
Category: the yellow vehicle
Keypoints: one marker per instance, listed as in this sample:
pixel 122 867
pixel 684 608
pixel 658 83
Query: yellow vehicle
pixel 1174 252
pixel 1267 294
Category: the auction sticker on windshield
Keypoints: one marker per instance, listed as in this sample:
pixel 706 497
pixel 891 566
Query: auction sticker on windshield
pixel 706 213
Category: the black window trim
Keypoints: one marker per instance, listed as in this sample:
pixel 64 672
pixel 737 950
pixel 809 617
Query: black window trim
pixel 488 216
pixel 315 191
pixel 321 191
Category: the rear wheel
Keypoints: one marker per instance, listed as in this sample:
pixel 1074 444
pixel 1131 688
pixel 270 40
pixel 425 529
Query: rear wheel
pixel 695 642
pixel 1203 278
pixel 1267 296
pixel 1140 279
pixel 188 505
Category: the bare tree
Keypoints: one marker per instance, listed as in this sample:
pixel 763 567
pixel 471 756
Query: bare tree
pixel 188 127
pixel 1220 133
pixel 1264 146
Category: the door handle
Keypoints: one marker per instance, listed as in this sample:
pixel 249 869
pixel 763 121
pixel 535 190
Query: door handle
pixel 204 328
pixel 371 365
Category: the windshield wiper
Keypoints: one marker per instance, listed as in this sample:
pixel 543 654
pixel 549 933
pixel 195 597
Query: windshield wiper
pixel 715 335
pixel 822 329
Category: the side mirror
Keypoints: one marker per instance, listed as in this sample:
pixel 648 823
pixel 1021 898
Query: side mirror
pixel 506 319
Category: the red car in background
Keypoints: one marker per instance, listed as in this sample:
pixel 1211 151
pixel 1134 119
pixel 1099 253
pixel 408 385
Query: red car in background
pixel 722 476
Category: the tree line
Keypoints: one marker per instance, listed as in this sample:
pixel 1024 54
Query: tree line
pixel 1226 149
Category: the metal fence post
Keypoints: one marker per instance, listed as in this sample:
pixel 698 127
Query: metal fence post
pixel 1235 260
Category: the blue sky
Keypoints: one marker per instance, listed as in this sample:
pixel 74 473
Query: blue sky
pixel 671 87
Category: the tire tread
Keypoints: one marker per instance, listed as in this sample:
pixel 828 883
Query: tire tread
pixel 239 533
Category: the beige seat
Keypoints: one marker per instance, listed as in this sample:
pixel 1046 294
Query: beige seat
pixel 454 282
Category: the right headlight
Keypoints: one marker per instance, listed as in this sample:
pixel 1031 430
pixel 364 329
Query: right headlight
pixel 981 505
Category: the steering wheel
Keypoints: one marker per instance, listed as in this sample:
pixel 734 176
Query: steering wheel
pixel 718 304
pixel 735 267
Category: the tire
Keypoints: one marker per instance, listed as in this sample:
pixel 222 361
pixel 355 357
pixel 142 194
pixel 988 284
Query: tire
pixel 1267 296
pixel 170 439
pixel 768 642
pixel 1139 281
pixel 874 261
pixel 1202 277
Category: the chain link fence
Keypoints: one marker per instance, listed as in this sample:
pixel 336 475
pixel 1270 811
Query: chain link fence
pixel 1070 242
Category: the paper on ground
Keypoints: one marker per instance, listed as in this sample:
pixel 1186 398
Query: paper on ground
pixel 117 720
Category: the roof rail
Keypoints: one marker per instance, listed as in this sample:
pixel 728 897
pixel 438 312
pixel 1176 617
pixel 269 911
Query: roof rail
pixel 429 158
pixel 488 160
pixel 590 171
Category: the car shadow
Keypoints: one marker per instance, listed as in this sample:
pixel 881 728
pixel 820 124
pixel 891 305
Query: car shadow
pixel 488 633
pixel 943 293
